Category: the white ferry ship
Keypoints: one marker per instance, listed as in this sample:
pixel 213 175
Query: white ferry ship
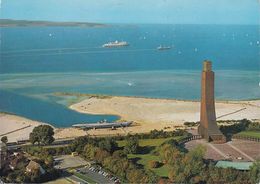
pixel 116 44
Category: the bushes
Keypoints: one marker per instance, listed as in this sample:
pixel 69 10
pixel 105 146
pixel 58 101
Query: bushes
pixel 37 151
pixel 4 139
pixel 191 124
pixel 108 143
pixel 65 150
pixel 155 134
pixel 235 128
pixel 254 126
pixel 255 172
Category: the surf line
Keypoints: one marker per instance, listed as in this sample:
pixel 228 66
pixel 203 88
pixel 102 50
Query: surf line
pixel 87 52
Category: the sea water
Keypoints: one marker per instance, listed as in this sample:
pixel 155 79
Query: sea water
pixel 36 62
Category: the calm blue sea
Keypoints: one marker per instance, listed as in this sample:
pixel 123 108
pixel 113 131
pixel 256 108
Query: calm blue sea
pixel 38 61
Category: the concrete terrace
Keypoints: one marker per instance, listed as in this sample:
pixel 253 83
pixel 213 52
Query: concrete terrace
pixel 247 150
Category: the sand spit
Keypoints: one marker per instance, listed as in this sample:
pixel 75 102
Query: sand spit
pixel 147 110
pixel 147 114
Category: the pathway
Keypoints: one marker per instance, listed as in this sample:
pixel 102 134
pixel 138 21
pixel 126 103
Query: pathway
pixel 241 152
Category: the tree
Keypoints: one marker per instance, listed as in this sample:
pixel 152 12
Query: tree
pixel 100 155
pixel 132 145
pixel 108 144
pixel 90 151
pixel 153 164
pixel 79 143
pixel 137 176
pixel 255 172
pixel 42 134
pixel 169 154
pixel 48 160
pixel 119 154
pixel 4 139
pixel 187 168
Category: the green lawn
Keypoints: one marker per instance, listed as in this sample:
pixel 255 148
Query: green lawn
pixel 255 134
pixel 143 159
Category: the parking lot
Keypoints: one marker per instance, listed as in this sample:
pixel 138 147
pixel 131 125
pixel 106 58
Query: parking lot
pixel 97 174
pixel 83 171
pixel 68 161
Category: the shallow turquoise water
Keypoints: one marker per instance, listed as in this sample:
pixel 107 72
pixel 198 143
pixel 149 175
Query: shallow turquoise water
pixel 31 95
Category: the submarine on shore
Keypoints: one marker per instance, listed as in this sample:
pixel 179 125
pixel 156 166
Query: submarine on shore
pixel 103 124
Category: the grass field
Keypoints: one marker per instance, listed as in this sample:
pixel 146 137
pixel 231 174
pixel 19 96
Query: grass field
pixel 149 146
pixel 255 134
pixel 144 159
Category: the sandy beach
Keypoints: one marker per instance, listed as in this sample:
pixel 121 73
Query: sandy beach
pixel 16 127
pixel 147 114
pixel 167 111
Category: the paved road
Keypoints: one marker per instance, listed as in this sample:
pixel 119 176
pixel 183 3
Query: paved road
pixel 73 178
pixel 77 179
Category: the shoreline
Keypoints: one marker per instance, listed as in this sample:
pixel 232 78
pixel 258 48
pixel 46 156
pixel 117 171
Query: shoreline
pixel 147 113
pixel 144 97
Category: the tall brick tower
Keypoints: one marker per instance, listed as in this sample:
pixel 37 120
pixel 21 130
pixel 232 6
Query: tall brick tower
pixel 208 128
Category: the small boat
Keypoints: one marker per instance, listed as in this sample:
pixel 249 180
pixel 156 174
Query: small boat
pixel 115 44
pixel 163 47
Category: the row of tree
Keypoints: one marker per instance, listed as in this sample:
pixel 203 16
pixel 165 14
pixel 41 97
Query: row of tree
pixel 117 162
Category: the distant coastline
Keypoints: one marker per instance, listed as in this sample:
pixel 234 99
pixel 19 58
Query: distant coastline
pixel 29 23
